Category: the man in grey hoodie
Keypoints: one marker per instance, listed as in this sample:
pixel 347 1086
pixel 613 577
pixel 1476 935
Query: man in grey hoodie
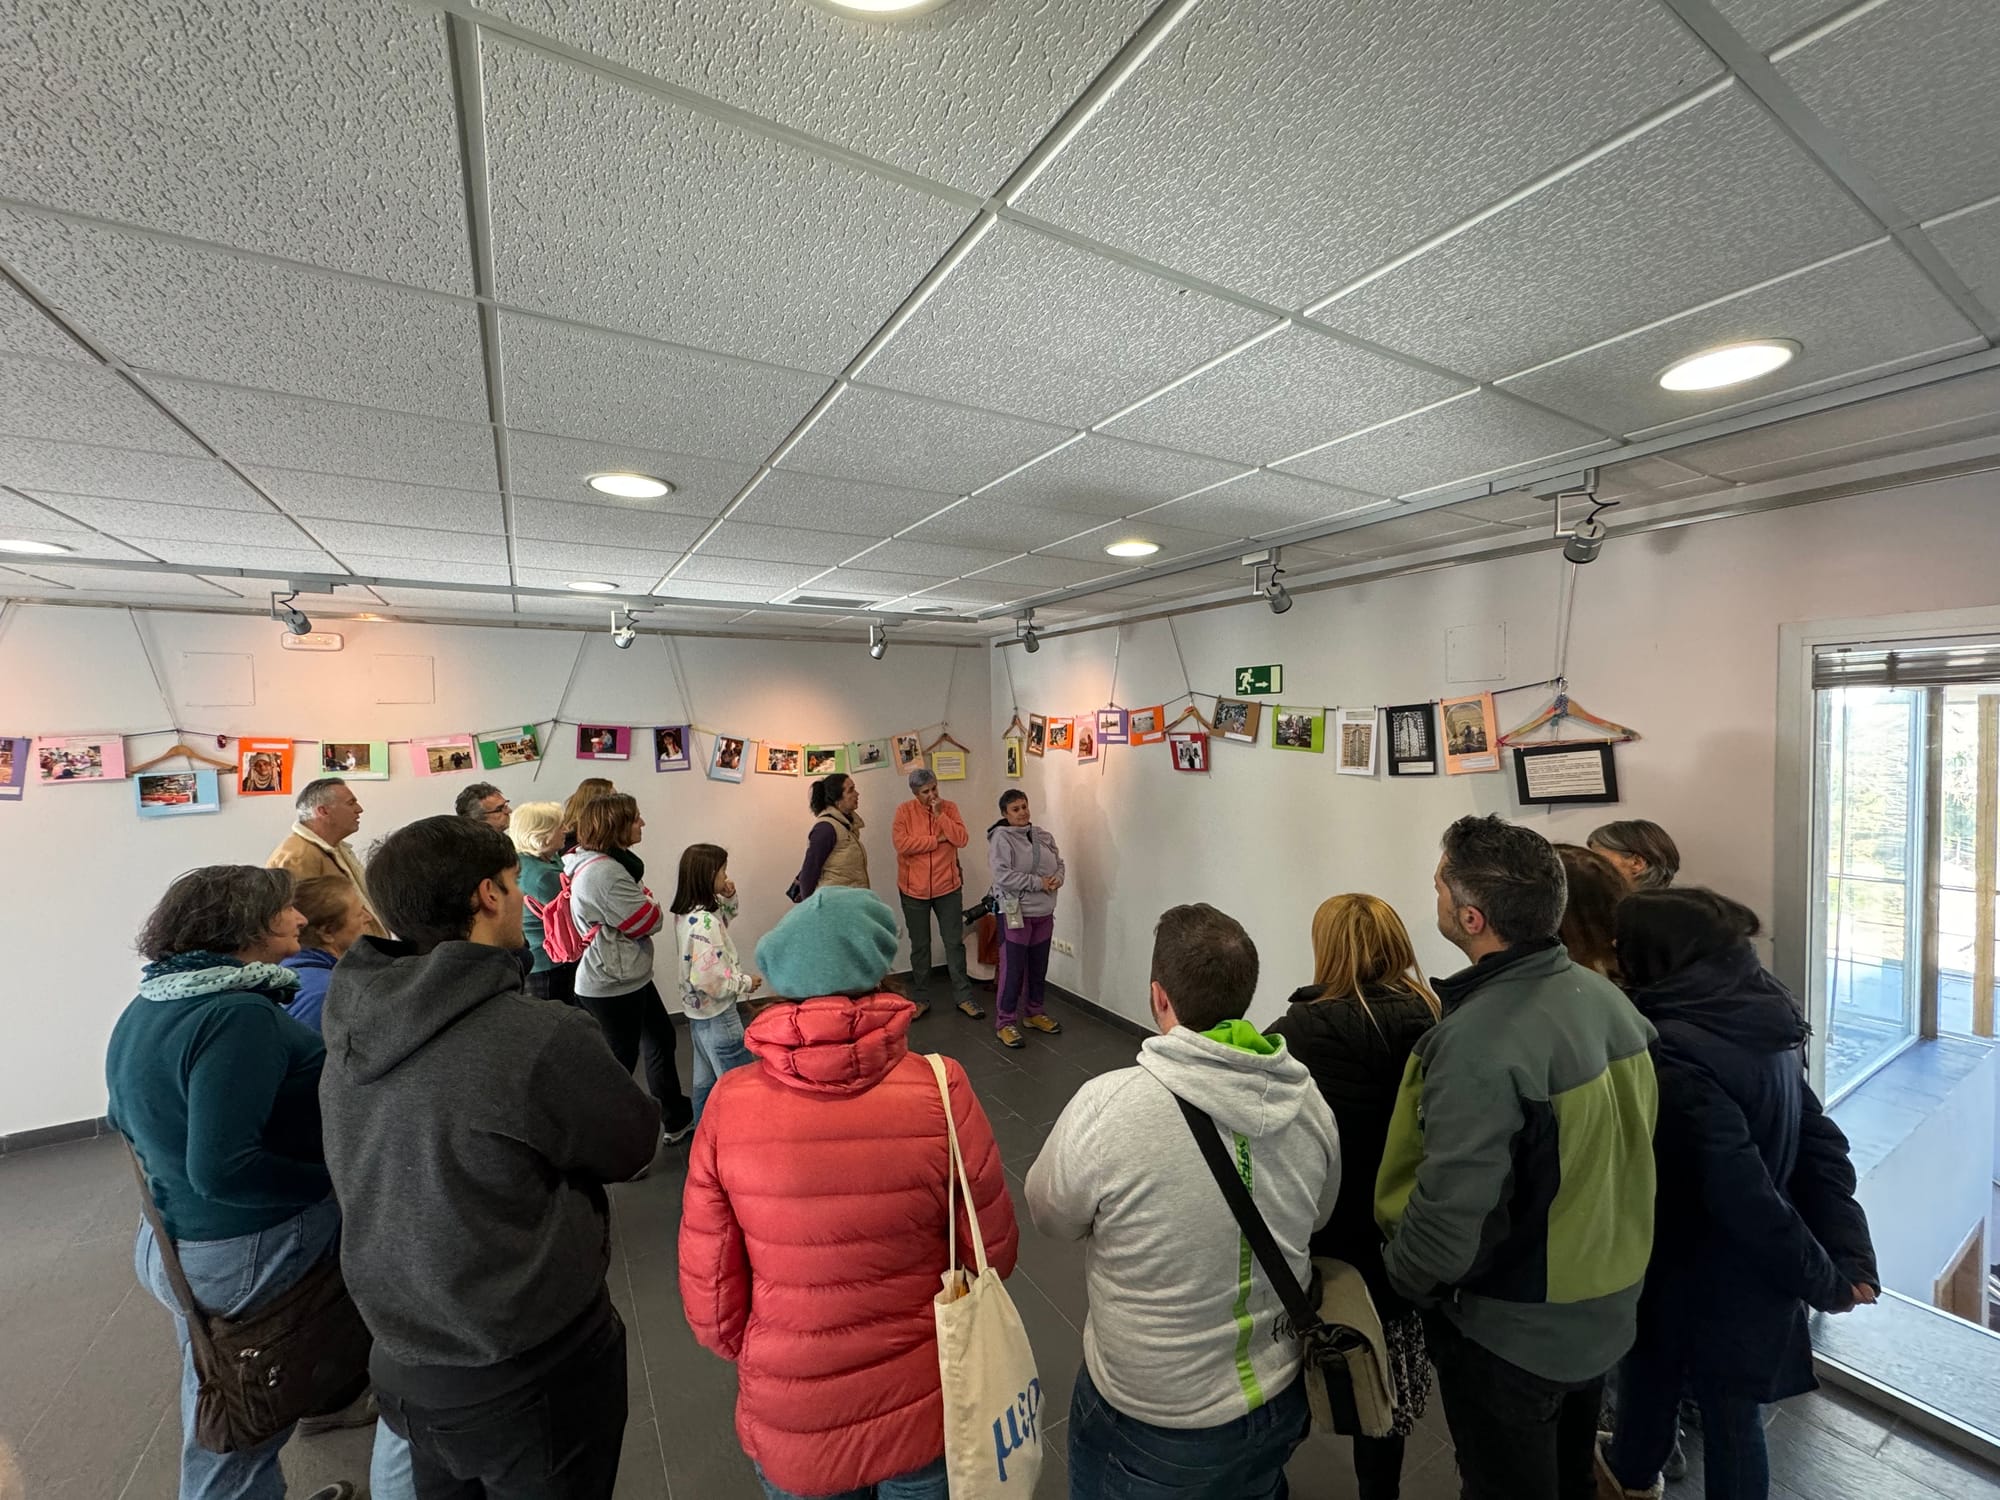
pixel 470 1130
pixel 1190 1377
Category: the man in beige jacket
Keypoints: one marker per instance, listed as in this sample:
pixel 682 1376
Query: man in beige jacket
pixel 329 815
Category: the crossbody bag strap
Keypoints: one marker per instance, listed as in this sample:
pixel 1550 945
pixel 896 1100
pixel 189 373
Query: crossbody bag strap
pixel 957 1177
pixel 1304 1316
pixel 197 1320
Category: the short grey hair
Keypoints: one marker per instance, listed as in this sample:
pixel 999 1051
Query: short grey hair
pixel 922 777
pixel 316 794
pixel 1511 874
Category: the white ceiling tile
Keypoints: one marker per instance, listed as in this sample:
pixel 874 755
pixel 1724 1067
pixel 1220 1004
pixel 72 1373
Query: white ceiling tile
pixel 321 130
pixel 425 569
pixel 1910 88
pixel 291 432
pixel 1971 242
pixel 187 310
pixel 628 581
pixel 703 569
pixel 961 98
pixel 337 497
pixel 1430 528
pixel 536 521
pixel 446 601
pixel 79 403
pixel 621 208
pixel 1174 542
pixel 60 468
pixel 1259 503
pixel 1101 476
pixel 870 584
pixel 1765 23
pixel 1515 506
pixel 24 329
pixel 590 560
pixel 986 522
pixel 23 514
pixel 784 544
pixel 80 543
pixel 369 539
pixel 222 554
pixel 786 497
pixel 1268 146
pixel 557 468
pixel 1861 312
pixel 1714 200
pixel 143 518
pixel 707 588
pixel 1033 325
pixel 118 583
pixel 1038 571
pixel 1211 579
pixel 1288 393
pixel 924 445
pixel 1479 434
pixel 970 593
pixel 584 382
pixel 911 555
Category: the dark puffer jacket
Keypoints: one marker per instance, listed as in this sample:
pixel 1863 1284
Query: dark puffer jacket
pixel 1757 1218
pixel 1357 1058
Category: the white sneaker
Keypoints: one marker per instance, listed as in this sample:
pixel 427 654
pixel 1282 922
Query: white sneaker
pixel 675 1137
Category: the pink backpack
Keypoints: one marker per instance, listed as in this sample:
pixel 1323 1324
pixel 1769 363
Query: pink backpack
pixel 561 940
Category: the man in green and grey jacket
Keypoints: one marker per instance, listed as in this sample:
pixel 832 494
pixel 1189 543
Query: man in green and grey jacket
pixel 1517 1187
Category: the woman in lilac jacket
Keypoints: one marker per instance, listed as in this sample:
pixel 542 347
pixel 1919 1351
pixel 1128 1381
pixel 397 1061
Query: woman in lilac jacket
pixel 1027 873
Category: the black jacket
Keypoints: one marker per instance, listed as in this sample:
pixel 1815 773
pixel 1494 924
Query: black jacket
pixel 1357 1058
pixel 1757 1217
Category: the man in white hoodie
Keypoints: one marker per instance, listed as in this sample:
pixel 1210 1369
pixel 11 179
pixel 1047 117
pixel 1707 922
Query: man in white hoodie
pixel 1190 1379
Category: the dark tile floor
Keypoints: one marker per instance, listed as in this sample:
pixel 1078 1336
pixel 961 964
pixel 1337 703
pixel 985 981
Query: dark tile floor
pixel 87 1404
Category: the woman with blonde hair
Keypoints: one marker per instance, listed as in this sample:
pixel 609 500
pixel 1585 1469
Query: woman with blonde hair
pixel 537 832
pixel 1353 1028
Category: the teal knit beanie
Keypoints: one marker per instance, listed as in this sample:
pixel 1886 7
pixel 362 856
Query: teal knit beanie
pixel 837 941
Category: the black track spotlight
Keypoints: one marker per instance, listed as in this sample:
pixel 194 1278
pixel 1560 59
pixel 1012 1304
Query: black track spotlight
pixel 878 641
pixel 1279 596
pixel 1025 632
pixel 293 618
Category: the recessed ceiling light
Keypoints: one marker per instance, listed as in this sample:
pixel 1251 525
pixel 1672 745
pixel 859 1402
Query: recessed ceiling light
pixel 934 609
pixel 883 7
pixel 1732 364
pixel 629 486
pixel 33 549
pixel 1133 548
pixel 593 586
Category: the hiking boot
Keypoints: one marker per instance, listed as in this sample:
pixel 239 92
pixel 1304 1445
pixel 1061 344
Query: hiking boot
pixel 977 1012
pixel 1010 1036
pixel 923 1009
pixel 1047 1025
pixel 360 1412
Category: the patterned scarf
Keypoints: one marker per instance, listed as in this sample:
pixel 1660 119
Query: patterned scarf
pixel 189 976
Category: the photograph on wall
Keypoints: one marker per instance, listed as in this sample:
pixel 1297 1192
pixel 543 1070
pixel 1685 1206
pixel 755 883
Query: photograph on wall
pixel 1038 734
pixel 948 765
pixel 870 755
pixel 1412 740
pixel 1469 734
pixel 264 768
pixel 1190 751
pixel 671 746
pixel 1148 726
pixel 1550 775
pixel 509 747
pixel 354 760
pixel 824 760
pixel 725 761
pixel 13 767
pixel 1015 769
pixel 779 760
pixel 1062 734
pixel 1355 732
pixel 443 754
pixel 1086 741
pixel 603 742
pixel 909 750
pixel 1112 728
pixel 80 757
pixel 1238 719
pixel 1298 729
pixel 175 794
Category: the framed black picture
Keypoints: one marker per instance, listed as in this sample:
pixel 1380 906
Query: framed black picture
pixel 1545 775
pixel 1412 739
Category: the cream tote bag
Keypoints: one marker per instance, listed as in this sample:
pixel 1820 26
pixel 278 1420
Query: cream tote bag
pixel 992 1395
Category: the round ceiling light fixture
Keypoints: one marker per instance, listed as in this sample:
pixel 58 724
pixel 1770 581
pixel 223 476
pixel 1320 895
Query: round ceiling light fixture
pixel 24 548
pixel 1732 364
pixel 882 7
pixel 1133 547
pixel 593 586
pixel 935 609
pixel 629 486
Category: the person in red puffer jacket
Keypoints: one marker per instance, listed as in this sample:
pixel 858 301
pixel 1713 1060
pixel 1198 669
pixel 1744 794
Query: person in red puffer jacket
pixel 816 1196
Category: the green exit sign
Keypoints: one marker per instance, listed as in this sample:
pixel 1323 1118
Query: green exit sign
pixel 1252 680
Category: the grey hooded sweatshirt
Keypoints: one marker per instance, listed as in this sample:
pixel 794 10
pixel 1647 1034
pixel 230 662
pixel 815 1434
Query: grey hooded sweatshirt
pixel 470 1129
pixel 1183 1328
pixel 1020 860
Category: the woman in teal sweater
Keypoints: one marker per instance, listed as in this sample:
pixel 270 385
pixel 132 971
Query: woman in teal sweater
pixel 217 1089
pixel 537 833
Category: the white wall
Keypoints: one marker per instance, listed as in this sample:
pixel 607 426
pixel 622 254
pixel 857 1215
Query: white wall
pixel 1675 633
pixel 84 869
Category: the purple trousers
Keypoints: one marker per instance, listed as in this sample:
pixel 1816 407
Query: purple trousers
pixel 1024 969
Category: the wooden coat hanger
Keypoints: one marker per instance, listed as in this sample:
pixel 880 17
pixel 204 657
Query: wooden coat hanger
pixel 946 739
pixel 1015 728
pixel 182 748
pixel 1191 712
pixel 1562 707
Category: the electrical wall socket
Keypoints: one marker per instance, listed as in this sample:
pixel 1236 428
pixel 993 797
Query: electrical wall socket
pixel 1066 949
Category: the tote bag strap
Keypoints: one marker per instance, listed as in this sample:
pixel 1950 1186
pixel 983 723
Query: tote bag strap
pixel 197 1321
pixel 955 1178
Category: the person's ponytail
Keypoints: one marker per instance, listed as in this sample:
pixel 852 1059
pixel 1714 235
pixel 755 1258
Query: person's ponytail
pixel 827 791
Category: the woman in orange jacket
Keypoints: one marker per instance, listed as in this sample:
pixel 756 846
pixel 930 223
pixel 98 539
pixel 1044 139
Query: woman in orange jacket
pixel 928 834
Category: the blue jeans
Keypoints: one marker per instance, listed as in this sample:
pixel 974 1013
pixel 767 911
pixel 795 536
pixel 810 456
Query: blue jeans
pixel 926 1483
pixel 1735 1463
pixel 718 1047
pixel 230 1278
pixel 1116 1457
pixel 390 1473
